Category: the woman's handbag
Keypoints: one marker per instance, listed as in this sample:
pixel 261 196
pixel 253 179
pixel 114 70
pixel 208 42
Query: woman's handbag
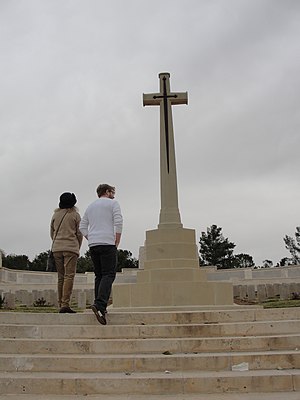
pixel 51 267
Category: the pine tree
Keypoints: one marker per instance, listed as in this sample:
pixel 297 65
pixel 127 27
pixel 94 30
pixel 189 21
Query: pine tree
pixel 215 249
pixel 293 246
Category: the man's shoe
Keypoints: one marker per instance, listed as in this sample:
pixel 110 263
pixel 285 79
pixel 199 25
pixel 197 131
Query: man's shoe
pixel 66 310
pixel 100 318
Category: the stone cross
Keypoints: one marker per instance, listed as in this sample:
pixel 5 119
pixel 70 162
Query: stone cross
pixel 169 214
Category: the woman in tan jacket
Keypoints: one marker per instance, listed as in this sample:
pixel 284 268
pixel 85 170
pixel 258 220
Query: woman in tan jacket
pixel 67 239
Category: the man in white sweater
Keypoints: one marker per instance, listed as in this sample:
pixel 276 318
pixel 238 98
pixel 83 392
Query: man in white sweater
pixel 102 225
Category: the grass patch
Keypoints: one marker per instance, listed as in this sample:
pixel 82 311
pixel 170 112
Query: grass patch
pixel 37 310
pixel 270 303
pixel 275 303
pixel 32 310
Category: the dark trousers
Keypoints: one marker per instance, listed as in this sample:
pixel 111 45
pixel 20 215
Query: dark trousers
pixel 104 258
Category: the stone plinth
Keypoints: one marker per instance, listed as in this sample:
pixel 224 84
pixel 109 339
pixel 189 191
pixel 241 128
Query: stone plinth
pixel 171 276
pixel 170 248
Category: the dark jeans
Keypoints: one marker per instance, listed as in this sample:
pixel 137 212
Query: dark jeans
pixel 105 264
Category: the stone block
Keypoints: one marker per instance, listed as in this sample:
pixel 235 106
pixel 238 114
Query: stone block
pixel 141 257
pixel 270 293
pixel 121 295
pixel 53 297
pixel 21 296
pixel 10 301
pixel 171 263
pixel 168 275
pixel 236 291
pixel 251 292
pixel 81 300
pixel 89 296
pixel 30 300
pixel 35 294
pixel 276 288
pixel 243 291
pixel 261 293
pixel 172 294
pixel 284 291
pixel 293 288
pixel 170 244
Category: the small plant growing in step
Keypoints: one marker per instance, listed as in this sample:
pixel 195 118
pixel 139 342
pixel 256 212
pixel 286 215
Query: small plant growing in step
pixel 40 302
pixel 295 296
pixel 2 301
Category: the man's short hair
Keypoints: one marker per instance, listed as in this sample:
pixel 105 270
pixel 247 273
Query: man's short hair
pixel 103 187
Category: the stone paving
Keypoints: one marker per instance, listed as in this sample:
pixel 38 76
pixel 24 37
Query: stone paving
pixel 220 396
pixel 209 353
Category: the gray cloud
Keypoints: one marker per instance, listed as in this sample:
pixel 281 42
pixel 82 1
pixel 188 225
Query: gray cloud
pixel 72 76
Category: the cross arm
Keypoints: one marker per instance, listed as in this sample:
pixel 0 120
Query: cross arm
pixel 154 99
pixel 151 99
pixel 181 98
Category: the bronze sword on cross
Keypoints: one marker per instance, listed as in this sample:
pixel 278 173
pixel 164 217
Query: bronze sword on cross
pixel 161 99
pixel 169 214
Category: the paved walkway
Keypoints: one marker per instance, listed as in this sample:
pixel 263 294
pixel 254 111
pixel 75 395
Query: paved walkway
pixel 220 396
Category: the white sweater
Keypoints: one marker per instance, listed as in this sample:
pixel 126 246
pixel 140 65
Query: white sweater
pixel 101 221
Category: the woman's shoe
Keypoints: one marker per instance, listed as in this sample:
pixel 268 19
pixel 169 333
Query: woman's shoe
pixel 66 310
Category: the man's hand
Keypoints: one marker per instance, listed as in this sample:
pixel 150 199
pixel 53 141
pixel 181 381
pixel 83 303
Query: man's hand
pixel 118 238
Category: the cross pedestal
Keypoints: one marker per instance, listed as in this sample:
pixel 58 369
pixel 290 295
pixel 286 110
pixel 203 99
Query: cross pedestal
pixel 171 276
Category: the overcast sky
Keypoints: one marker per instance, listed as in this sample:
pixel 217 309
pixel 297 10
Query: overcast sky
pixel 72 75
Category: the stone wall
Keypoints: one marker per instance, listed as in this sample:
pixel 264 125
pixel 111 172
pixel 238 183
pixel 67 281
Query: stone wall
pixel 48 297
pixel 280 274
pixel 25 287
pixel 266 291
pixel 12 278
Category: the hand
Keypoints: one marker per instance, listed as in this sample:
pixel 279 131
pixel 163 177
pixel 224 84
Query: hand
pixel 117 240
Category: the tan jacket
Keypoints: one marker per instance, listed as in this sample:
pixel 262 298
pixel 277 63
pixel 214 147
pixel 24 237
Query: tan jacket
pixel 69 237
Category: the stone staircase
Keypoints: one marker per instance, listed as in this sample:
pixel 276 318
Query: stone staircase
pixel 233 350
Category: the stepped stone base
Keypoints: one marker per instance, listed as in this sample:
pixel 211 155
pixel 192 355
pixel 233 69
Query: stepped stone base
pixel 172 294
pixel 171 275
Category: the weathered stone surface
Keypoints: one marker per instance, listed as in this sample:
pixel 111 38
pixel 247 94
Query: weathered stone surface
pixel 185 352
pixel 261 293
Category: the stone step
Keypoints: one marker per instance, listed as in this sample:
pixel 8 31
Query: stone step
pixel 73 355
pixel 210 396
pixel 234 314
pixel 149 331
pixel 149 383
pixel 157 345
pixel 137 363
pixel 189 396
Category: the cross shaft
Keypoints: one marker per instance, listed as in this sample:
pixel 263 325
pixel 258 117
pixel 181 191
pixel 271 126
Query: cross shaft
pixel 169 214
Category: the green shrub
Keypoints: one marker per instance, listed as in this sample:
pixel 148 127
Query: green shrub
pixel 40 302
pixel 2 301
